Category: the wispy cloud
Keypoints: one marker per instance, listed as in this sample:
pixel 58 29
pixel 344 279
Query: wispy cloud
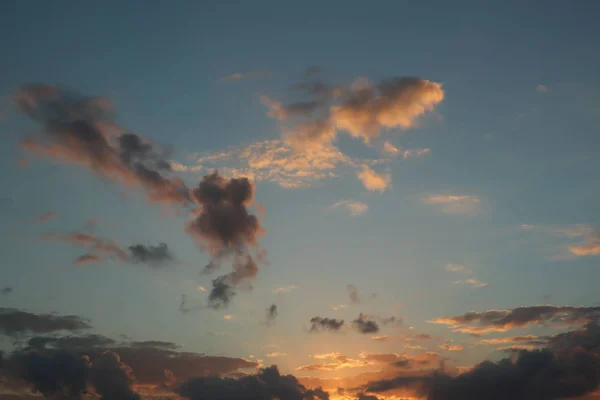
pixel 245 75
pixel 389 148
pixel 285 289
pixel 47 216
pixel 354 208
pixel 276 354
pixel 472 282
pixel 451 347
pixel 455 204
pixel 591 237
pixel 457 268
pixel 541 88
pixel 415 153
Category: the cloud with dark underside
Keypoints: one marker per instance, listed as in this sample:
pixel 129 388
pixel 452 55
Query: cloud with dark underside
pixel 226 229
pixel 82 130
pixel 478 323
pixel 568 368
pixel 319 324
pixel 15 322
pixel 364 325
pixel 267 384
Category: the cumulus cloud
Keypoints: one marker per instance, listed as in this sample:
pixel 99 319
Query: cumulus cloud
pixel 267 384
pixel 373 181
pixel 569 371
pixel 319 324
pixel 14 322
pixel 478 323
pixel 47 216
pixel 394 103
pixel 453 204
pixel 225 228
pixel 354 208
pixel 82 130
pixel 365 325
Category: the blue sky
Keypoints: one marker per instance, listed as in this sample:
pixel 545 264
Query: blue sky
pixel 515 135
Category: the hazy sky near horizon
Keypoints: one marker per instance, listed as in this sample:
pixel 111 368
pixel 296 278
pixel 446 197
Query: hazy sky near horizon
pixel 471 187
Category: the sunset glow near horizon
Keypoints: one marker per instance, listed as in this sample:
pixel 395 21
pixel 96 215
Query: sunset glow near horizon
pixel 260 200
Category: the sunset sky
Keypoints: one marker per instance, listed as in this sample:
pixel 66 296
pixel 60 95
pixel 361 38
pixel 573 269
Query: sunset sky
pixel 362 194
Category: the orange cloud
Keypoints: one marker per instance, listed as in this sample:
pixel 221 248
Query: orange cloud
pixel 354 208
pixel 453 204
pixel 87 258
pixel 373 181
pixel 415 153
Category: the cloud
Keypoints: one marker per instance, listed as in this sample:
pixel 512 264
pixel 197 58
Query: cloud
pixel 86 259
pixel 389 148
pixel 15 322
pixel 590 248
pixel 6 290
pixel 152 255
pixel 354 208
pixel 81 130
pixel 373 181
pixel 510 339
pixel 365 325
pixel 276 354
pixel 570 371
pixel 353 293
pixel 245 75
pixel 112 379
pixel 272 314
pixel 282 112
pixel 394 103
pixel 415 153
pixel 457 268
pixel 285 289
pixel 381 338
pixel 472 282
pixel 225 228
pixel 453 204
pixel 541 89
pixel 451 347
pixel 267 384
pixel 47 216
pixel 102 247
pixel 274 161
pixel 325 324
pixel 336 362
pixel 478 323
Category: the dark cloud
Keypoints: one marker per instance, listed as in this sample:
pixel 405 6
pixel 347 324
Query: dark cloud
pixel 268 384
pixel 6 290
pixel 82 130
pixel 325 324
pixel 112 378
pixel 271 314
pixel 153 255
pixel 46 216
pixel 364 325
pixel 568 368
pixel 54 374
pixel 85 342
pixel 353 293
pixel 503 320
pixel 15 322
pixel 226 229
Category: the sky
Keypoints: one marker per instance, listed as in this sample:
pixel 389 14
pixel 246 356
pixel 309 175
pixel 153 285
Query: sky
pixel 373 197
